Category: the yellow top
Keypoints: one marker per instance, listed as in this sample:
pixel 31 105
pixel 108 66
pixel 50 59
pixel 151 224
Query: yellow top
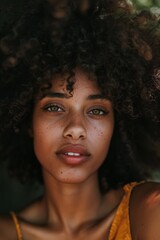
pixel 120 228
pixel 17 225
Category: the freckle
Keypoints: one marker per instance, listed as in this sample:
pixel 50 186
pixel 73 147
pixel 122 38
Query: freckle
pixel 100 133
pixel 61 172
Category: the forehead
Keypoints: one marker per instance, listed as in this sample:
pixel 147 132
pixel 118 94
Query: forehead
pixel 79 79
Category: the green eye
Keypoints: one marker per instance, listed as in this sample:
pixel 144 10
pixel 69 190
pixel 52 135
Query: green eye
pixel 53 108
pixel 98 112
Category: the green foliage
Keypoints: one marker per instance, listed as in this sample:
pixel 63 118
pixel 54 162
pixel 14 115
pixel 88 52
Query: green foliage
pixel 141 4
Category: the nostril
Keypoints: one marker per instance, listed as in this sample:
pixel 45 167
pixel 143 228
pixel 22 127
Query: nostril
pixel 75 132
pixel 69 135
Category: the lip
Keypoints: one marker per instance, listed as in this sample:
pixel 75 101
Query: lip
pixel 73 154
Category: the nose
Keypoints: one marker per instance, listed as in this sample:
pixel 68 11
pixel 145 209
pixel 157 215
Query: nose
pixel 75 127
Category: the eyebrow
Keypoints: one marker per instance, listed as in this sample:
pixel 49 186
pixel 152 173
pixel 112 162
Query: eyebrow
pixel 64 95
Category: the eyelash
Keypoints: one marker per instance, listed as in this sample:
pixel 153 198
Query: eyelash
pixel 96 111
pixel 50 107
pixel 101 111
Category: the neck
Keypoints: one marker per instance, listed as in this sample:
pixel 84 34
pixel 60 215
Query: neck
pixel 72 204
pixel 71 209
pixel 77 206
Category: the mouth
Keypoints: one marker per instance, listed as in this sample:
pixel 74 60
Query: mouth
pixel 73 154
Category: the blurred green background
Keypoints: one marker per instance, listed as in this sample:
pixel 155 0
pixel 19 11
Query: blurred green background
pixel 13 195
pixel 146 3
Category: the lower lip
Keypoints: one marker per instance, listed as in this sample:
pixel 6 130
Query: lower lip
pixel 73 160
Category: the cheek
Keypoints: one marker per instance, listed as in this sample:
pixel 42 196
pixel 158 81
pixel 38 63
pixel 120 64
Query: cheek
pixel 40 143
pixel 45 137
pixel 41 138
pixel 102 135
pixel 40 132
pixel 103 132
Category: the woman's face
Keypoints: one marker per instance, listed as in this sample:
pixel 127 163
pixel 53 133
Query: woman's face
pixel 72 134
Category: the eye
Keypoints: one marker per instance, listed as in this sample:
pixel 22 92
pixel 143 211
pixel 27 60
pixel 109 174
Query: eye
pixel 98 112
pixel 53 108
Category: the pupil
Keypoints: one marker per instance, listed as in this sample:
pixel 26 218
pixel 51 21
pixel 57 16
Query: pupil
pixel 96 111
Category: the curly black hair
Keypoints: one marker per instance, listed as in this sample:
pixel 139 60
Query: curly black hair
pixel 106 39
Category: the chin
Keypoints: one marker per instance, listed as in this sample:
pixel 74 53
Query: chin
pixel 71 180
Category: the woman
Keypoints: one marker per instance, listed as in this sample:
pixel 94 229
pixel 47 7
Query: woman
pixel 79 93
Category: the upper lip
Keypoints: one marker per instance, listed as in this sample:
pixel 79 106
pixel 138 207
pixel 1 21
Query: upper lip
pixel 73 148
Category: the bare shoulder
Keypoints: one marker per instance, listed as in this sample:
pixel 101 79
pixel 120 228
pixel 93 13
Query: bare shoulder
pixel 33 213
pixel 7 229
pixel 145 211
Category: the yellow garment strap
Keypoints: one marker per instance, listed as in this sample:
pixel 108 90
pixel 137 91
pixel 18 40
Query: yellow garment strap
pixel 120 229
pixel 17 225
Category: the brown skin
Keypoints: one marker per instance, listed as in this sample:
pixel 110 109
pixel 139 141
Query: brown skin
pixel 145 212
pixel 82 124
pixel 72 206
pixel 144 218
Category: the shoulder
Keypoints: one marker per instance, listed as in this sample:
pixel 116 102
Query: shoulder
pixel 7 228
pixel 32 214
pixel 145 211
